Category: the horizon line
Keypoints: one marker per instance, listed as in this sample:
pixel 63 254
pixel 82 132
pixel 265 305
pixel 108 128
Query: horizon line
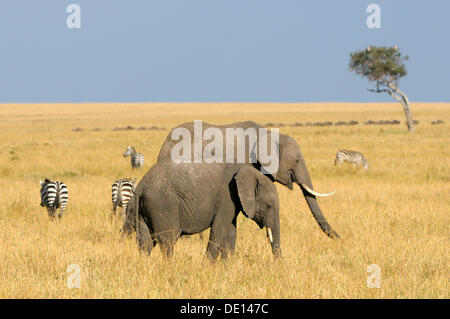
pixel 220 102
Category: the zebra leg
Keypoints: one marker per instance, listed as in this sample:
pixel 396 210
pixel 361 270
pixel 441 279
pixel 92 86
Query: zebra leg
pixel 51 212
pixel 113 211
pixel 61 212
pixel 124 214
pixel 117 212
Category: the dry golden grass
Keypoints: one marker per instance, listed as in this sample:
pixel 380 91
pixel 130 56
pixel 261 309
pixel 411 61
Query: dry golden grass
pixel 396 215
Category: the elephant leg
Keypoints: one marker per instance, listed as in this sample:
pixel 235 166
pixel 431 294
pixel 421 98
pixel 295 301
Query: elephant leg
pixel 168 248
pixel 213 250
pixel 214 247
pixel 222 240
pixel 229 241
pixel 145 238
pixel 167 240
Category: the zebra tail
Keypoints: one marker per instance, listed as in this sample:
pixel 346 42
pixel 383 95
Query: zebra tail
pixel 119 199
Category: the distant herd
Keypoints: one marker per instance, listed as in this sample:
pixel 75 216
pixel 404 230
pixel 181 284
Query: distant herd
pixel 296 124
pixel 349 123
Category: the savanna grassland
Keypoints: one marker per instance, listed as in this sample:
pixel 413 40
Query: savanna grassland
pixel 395 215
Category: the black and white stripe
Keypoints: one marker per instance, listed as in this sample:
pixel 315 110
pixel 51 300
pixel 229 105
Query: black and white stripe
pixel 351 157
pixel 54 195
pixel 122 192
pixel 137 159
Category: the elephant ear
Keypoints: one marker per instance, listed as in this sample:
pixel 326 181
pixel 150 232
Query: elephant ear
pixel 268 148
pixel 247 186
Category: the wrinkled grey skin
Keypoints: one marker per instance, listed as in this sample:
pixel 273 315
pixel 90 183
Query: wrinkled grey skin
pixel 184 199
pixel 292 167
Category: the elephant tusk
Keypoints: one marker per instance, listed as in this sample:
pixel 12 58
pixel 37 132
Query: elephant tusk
pixel 316 193
pixel 269 234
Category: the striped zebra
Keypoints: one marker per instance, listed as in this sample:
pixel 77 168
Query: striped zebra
pixel 122 192
pixel 137 159
pixel 54 195
pixel 351 157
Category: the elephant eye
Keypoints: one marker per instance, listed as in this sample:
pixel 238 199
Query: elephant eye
pixel 297 161
pixel 269 206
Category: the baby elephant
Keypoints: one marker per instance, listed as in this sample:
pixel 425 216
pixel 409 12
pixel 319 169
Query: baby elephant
pixel 177 199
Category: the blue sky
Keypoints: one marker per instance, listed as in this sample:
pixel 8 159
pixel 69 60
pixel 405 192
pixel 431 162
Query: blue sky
pixel 215 50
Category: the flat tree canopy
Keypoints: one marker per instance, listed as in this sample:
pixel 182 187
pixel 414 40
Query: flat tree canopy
pixel 383 66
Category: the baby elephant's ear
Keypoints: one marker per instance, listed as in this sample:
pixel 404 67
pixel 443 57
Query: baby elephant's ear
pixel 247 183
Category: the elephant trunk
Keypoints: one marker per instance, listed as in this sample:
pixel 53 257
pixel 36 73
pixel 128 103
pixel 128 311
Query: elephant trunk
pixel 273 234
pixel 302 178
pixel 317 213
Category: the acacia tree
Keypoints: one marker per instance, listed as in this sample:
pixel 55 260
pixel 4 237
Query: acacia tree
pixel 383 66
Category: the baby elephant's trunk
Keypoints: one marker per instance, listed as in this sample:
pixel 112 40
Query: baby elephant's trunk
pixel 273 234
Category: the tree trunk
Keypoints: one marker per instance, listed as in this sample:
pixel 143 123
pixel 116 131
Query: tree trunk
pixel 403 99
pixel 409 120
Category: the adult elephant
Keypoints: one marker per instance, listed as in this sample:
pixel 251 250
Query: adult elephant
pixel 291 169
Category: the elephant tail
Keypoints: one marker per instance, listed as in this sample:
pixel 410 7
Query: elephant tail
pixel 137 196
pixel 132 215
